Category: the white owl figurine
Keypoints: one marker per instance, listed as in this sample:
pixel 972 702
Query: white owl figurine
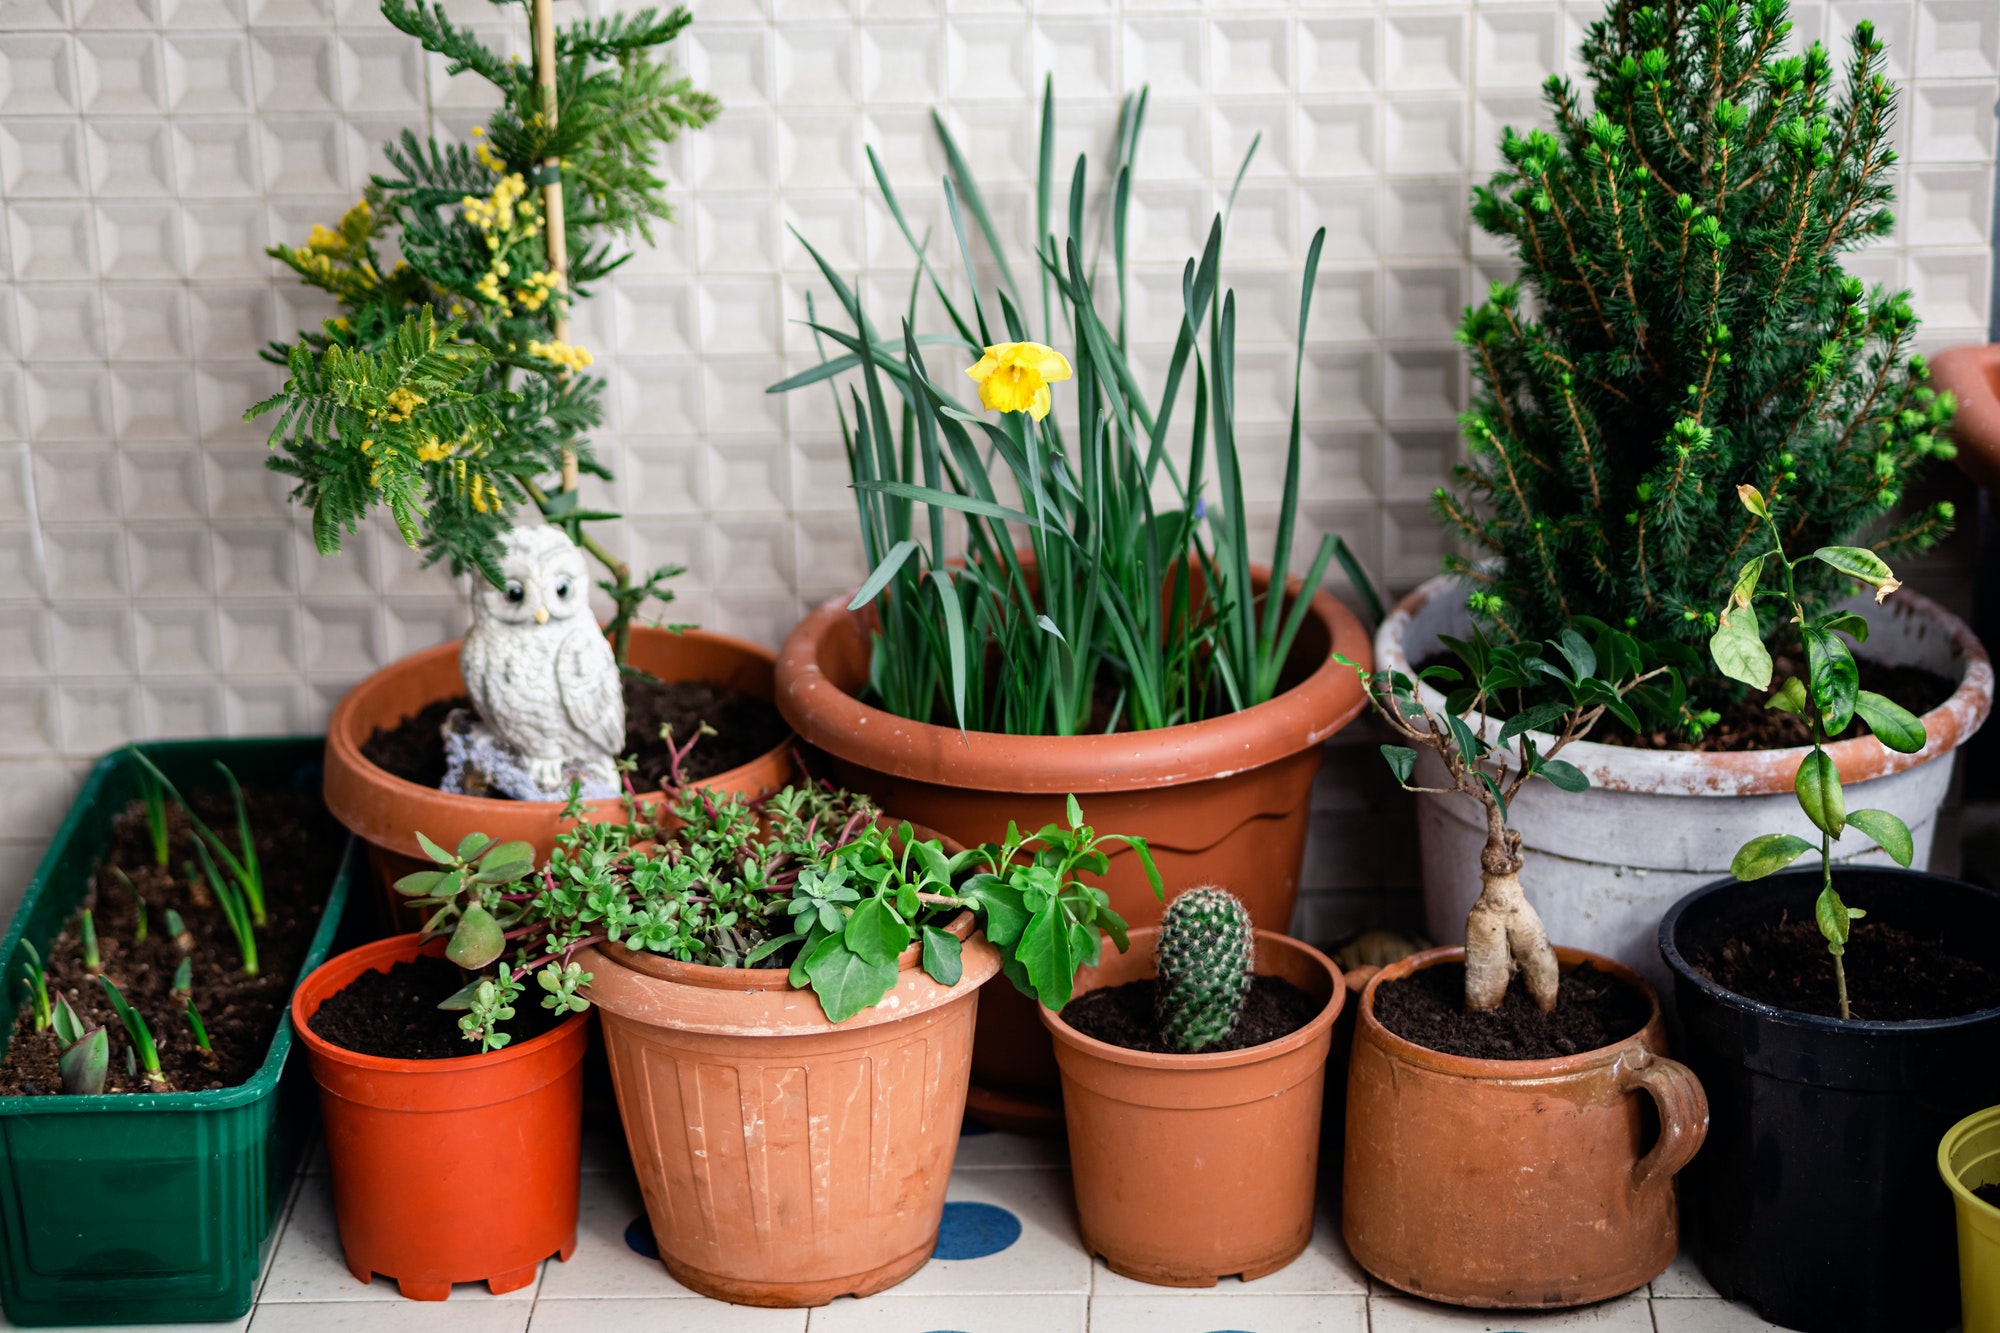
pixel 538 669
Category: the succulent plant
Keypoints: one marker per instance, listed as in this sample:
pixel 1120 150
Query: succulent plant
pixel 1204 957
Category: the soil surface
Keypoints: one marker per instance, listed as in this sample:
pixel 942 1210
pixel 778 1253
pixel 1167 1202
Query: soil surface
pixel 1892 974
pixel 298 847
pixel 1987 1194
pixel 746 727
pixel 1123 1016
pixel 1593 1009
pixel 395 1013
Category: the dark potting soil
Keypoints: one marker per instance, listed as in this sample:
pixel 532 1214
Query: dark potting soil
pixel 298 846
pixel 1892 974
pixel 1123 1016
pixel 395 1013
pixel 745 726
pixel 1987 1194
pixel 1593 1009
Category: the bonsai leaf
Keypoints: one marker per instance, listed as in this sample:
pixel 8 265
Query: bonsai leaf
pixel 1835 920
pixel 1537 718
pixel 1889 832
pixel 419 883
pixel 1770 852
pixel 477 940
pixel 1789 697
pixel 1738 649
pixel 941 956
pixel 1577 650
pixel 84 1064
pixel 876 933
pixel 1818 788
pixel 1894 725
pixel 1834 679
pixel 1499 797
pixel 1402 762
pixel 435 852
pixel 1563 775
pixel 1860 563
pixel 845 982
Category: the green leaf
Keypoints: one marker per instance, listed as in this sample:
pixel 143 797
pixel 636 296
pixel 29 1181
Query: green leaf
pixel 433 851
pixel 1045 956
pixel 845 982
pixel 876 933
pixel 477 940
pixel 418 883
pixel 941 956
pixel 1889 832
pixel 1000 903
pixel 1789 697
pixel 1563 775
pixel 1739 651
pixel 1818 786
pixel 1746 580
pixel 508 852
pixel 1894 725
pixel 1074 811
pixel 463 997
pixel 883 572
pixel 1402 761
pixel 1833 917
pixel 1846 622
pixel 1858 562
pixel 1834 679
pixel 1537 718
pixel 1770 852
pixel 1753 500
pixel 472 844
pixel 1577 651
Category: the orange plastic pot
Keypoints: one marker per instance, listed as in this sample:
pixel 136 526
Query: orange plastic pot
pixel 387 812
pixel 1190 1168
pixel 416 1146
pixel 1223 801
pixel 1972 376
pixel 1517 1184
pixel 786 1160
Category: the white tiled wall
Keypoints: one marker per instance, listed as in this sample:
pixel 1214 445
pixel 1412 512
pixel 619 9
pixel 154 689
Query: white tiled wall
pixel 154 583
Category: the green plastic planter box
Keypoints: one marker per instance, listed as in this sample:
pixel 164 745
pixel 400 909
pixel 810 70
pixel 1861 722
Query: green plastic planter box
pixel 149 1208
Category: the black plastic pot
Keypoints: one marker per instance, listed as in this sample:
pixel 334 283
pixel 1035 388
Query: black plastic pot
pixel 1816 1198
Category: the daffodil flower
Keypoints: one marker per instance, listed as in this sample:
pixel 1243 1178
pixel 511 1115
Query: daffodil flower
pixel 1015 377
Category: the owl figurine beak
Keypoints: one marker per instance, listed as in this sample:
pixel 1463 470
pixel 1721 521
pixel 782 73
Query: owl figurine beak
pixel 541 615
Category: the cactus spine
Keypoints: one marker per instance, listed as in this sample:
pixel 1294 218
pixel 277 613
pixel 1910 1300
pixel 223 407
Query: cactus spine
pixel 1204 958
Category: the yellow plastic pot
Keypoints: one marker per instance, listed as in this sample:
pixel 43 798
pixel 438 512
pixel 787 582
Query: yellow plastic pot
pixel 1970 1156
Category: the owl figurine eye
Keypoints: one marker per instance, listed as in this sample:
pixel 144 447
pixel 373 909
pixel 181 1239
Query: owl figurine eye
pixel 515 592
pixel 562 590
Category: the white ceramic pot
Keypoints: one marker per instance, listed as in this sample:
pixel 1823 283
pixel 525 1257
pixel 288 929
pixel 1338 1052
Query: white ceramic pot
pixel 1603 866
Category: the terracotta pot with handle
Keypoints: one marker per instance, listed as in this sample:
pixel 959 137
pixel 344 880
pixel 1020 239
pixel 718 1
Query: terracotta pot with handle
pixel 1223 801
pixel 1190 1168
pixel 1517 1184
pixel 786 1160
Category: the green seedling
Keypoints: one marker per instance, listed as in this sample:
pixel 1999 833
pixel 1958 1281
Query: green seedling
pixel 241 863
pixel 1829 699
pixel 200 1031
pixel 141 927
pixel 177 931
pixel 35 977
pixel 235 910
pixel 147 1052
pixel 183 987
pixel 83 1057
pixel 153 795
pixel 93 959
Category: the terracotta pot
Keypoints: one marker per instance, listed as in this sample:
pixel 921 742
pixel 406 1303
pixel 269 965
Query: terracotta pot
pixel 1222 801
pixel 1517 1184
pixel 387 813
pixel 1190 1168
pixel 1679 814
pixel 1972 375
pixel 786 1160
pixel 416 1146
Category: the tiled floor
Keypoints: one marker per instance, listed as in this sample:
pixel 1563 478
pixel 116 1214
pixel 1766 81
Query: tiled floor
pixel 1040 1282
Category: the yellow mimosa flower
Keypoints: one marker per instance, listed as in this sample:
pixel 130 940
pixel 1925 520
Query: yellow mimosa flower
pixel 1015 377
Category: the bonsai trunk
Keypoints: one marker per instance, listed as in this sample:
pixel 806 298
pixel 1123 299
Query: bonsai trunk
pixel 1503 931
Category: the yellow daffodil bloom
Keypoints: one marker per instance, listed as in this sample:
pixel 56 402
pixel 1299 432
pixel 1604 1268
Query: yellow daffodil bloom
pixel 1015 377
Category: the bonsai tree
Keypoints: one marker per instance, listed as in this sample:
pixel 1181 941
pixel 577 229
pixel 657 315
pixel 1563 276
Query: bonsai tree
pixel 1503 932
pixel 1204 961
pixel 1682 327
pixel 1829 699
pixel 447 392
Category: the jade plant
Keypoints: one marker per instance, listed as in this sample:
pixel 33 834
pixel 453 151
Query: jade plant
pixel 1489 761
pixel 1683 326
pixel 1830 700
pixel 811 880
pixel 1203 962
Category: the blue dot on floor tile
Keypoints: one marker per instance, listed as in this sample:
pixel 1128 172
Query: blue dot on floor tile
pixel 975 1230
pixel 639 1237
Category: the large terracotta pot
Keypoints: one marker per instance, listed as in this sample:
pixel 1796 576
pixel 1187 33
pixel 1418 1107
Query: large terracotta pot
pixel 1190 1168
pixel 1972 375
pixel 387 812
pixel 1678 815
pixel 1516 1184
pixel 786 1160
pixel 1221 802
pixel 458 1170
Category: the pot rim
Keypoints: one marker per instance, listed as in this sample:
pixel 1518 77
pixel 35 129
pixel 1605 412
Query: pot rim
pixel 344 734
pixel 828 716
pixel 1686 971
pixel 1741 772
pixel 1301 1036
pixel 401 948
pixel 1515 1071
pixel 709 977
pixel 1960 1190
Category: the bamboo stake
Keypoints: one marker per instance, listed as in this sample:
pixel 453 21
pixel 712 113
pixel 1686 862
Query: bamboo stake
pixel 554 232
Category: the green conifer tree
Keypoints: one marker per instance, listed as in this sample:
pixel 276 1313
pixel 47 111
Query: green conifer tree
pixel 1682 326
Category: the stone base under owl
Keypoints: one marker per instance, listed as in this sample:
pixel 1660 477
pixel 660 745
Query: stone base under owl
pixel 479 763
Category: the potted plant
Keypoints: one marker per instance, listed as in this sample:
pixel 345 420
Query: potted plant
pixel 1095 639
pixel 150 1126
pixel 1971 375
pixel 1496 1138
pixel 1193 1066
pixel 1836 1049
pixel 447 394
pixel 1969 1162
pixel 1599 482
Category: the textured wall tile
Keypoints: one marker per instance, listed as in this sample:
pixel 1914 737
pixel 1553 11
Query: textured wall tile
pixel 36 75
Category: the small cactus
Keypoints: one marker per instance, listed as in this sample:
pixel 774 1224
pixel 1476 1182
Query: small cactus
pixel 1204 960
